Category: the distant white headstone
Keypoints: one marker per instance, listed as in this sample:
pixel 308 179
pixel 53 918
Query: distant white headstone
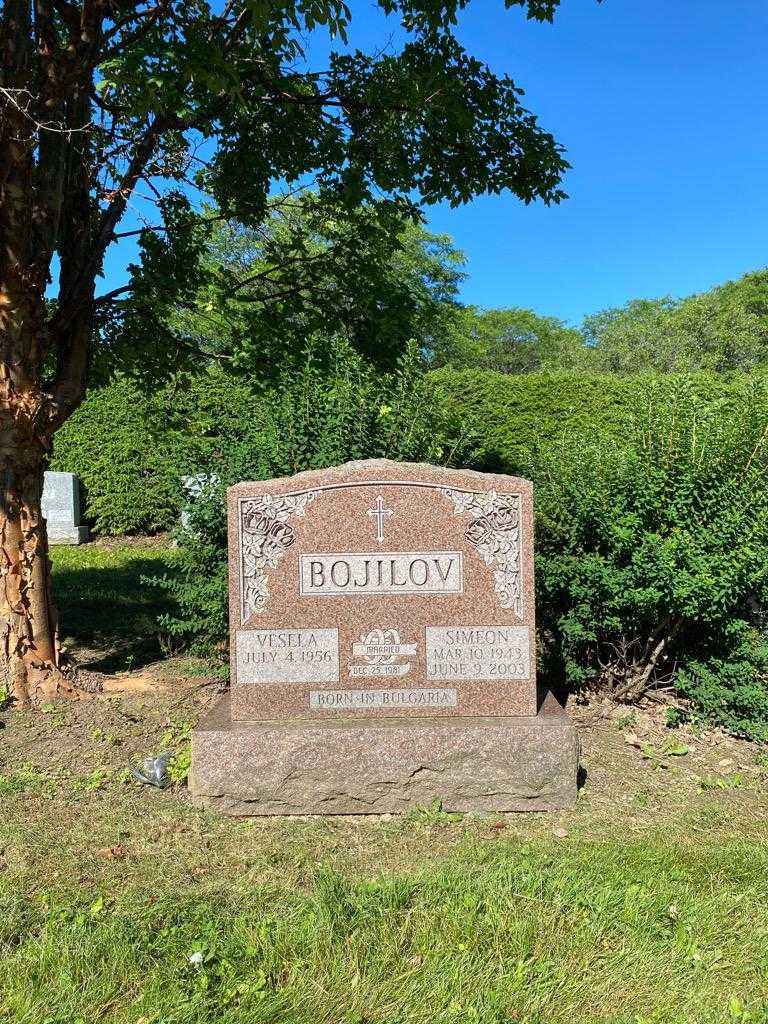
pixel 61 508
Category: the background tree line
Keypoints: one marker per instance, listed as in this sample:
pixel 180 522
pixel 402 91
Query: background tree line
pixel 383 281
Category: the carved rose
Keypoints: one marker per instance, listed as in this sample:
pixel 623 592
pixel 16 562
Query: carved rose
pixel 479 530
pixel 266 537
pixel 504 518
pixel 256 523
pixel 280 537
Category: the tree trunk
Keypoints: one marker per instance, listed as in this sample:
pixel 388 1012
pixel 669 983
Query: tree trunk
pixel 30 663
pixel 46 206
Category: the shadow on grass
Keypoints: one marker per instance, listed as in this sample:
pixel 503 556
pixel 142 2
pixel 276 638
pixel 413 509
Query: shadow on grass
pixel 108 615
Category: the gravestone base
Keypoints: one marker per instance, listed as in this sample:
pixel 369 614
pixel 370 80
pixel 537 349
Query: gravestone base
pixel 67 534
pixel 386 765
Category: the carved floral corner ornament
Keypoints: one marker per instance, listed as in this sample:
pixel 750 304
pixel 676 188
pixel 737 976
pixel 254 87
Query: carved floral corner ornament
pixel 266 535
pixel 494 531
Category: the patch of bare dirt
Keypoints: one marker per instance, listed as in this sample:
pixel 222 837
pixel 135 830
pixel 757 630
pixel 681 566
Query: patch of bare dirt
pixel 633 767
pixel 631 759
pixel 122 720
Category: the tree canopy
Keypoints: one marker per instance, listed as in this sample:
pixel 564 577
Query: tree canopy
pixel 723 329
pixel 106 105
pixel 720 330
pixel 508 340
pixel 306 275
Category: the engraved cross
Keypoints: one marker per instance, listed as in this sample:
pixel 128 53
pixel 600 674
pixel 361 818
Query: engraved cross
pixel 381 514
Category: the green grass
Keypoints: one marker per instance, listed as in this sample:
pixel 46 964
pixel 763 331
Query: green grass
pixel 125 905
pixel 646 931
pixel 104 602
pixel 99 589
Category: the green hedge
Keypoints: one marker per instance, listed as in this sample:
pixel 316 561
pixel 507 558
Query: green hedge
pixel 515 414
pixel 651 527
pixel 651 500
pixel 131 449
pixel 119 445
pixel 652 560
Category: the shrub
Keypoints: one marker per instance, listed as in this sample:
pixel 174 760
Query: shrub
pixel 730 687
pixel 117 443
pixel 652 506
pixel 131 449
pixel 652 558
pixel 324 415
pixel 517 413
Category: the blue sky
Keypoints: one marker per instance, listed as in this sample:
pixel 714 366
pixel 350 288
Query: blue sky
pixel 661 105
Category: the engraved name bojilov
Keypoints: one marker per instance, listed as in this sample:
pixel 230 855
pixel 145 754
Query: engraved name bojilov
pixel 403 572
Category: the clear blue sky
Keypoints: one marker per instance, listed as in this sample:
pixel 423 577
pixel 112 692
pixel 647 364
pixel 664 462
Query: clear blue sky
pixel 661 105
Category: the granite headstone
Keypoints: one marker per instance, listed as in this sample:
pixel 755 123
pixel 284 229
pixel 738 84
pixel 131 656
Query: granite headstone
pixel 382 638
pixel 61 508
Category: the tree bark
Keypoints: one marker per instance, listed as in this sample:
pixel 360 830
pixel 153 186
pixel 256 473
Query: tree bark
pixel 33 166
pixel 30 665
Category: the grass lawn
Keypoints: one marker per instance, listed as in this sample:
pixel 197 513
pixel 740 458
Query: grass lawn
pixel 107 612
pixel 646 904
pixel 145 910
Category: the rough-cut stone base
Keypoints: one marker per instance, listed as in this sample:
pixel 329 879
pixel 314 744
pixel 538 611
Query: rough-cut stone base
pixel 67 534
pixel 385 765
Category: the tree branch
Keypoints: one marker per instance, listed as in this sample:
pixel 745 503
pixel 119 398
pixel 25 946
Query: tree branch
pixel 265 274
pixel 151 16
pixel 107 297
pixel 73 298
pixel 72 334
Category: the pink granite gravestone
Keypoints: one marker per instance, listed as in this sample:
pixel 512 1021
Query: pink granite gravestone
pixel 382 643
